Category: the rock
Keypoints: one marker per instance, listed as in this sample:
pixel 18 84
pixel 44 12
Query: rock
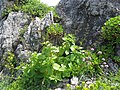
pixel 9 35
pixel 3 5
pixel 19 31
pixel 36 32
pixel 21 35
pixel 10 30
pixel 84 18
pixel 22 55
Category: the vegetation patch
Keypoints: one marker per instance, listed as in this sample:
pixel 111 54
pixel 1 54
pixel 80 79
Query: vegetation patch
pixel 62 60
pixel 111 30
pixel 111 34
pixel 32 7
pixel 55 63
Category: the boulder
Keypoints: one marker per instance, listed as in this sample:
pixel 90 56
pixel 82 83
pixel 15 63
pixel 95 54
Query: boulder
pixel 84 18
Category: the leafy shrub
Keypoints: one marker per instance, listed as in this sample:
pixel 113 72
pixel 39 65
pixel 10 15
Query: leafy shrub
pixel 111 30
pixel 111 33
pixel 57 62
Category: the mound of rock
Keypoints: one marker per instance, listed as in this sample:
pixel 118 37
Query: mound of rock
pixel 84 18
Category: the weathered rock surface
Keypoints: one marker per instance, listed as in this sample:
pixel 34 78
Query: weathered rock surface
pixel 3 5
pixel 84 18
pixel 21 35
pixel 10 30
pixel 36 31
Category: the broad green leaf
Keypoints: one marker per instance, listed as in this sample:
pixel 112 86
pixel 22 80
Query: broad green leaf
pixel 62 67
pixel 56 66
pixel 73 47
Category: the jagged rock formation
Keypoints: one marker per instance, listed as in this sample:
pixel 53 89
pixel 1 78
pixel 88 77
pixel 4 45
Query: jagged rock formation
pixel 84 18
pixel 10 31
pixel 21 34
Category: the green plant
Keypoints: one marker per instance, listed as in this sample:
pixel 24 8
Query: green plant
pixel 33 7
pixel 54 34
pixel 116 58
pixel 4 83
pixel 107 51
pixel 6 11
pixel 23 30
pixel 111 82
pixel 55 29
pixel 111 35
pixel 10 62
pixel 111 30
pixel 55 63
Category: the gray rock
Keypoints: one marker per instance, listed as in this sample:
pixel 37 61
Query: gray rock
pixel 84 18
pixel 21 35
pixel 9 35
pixel 36 32
pixel 10 30
pixel 22 54
pixel 3 5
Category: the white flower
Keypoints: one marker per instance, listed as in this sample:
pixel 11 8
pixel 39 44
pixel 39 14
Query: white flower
pixel 99 52
pixel 104 63
pixel 106 66
pixel 58 89
pixel 83 59
pixel 102 66
pixel 74 81
pixel 103 59
pixel 92 49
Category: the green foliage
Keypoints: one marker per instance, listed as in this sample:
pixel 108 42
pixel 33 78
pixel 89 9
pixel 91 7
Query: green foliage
pixel 4 83
pixel 111 30
pixel 111 82
pixel 111 34
pixel 116 58
pixel 6 11
pixel 23 30
pixel 107 51
pixel 57 62
pixel 54 11
pixel 55 29
pixel 33 7
pixel 55 34
pixel 10 62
